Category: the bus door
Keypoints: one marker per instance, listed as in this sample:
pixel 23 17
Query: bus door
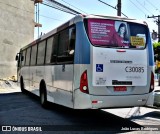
pixel 20 62
pixel 63 71
pixel 18 59
pixel 25 71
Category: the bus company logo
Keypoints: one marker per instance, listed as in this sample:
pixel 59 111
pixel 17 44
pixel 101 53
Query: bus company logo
pixel 6 128
pixel 99 67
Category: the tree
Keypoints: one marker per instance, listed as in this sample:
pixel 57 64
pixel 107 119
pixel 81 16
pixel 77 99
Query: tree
pixel 156 47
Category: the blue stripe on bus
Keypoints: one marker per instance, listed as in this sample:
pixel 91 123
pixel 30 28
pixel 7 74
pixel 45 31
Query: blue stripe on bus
pixel 150 51
pixel 82 48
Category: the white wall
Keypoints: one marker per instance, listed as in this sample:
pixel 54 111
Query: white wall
pixel 16 31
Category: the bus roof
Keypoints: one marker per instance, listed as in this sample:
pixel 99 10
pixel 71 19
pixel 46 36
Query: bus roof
pixel 79 18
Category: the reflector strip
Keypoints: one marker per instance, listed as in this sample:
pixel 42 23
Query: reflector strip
pixel 95 102
pixel 121 50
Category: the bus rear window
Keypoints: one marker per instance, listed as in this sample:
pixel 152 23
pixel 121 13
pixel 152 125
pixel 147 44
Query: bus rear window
pixel 111 33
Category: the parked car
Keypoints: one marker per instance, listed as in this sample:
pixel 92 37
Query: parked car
pixel 157 98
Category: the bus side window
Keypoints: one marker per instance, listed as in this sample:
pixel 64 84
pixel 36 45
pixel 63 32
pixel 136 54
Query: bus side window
pixel 24 56
pixel 28 56
pixel 20 59
pixel 41 52
pixel 49 50
pixel 63 43
pixel 54 49
pixel 33 55
pixel 66 46
pixel 72 38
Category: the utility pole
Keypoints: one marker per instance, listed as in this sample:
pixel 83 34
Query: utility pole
pixel 158 23
pixel 119 8
pixel 116 8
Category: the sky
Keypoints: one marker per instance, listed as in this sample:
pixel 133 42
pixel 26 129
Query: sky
pixel 50 18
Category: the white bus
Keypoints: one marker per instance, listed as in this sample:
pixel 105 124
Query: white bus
pixel 91 61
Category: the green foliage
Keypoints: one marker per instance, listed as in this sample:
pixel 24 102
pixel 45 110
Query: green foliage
pixel 156 44
pixel 156 47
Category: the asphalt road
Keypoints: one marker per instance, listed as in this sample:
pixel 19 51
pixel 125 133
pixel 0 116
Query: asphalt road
pixel 25 110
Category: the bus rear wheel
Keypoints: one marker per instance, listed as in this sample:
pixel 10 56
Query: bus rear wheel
pixel 43 96
pixel 22 85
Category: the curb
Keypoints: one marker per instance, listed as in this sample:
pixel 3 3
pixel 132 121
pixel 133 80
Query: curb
pixel 153 107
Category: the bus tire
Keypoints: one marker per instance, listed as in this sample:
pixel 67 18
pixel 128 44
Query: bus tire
pixel 22 85
pixel 43 95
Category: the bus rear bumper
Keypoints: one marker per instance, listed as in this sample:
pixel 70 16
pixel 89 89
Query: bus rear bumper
pixel 86 101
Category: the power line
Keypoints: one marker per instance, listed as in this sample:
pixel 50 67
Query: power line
pixel 152 5
pixel 107 4
pixel 74 6
pixel 49 17
pixel 158 23
pixel 137 7
pixel 59 6
pixel 143 7
pixel 111 6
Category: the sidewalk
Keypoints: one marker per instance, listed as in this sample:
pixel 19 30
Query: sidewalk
pixel 7 86
pixel 140 115
pixel 156 85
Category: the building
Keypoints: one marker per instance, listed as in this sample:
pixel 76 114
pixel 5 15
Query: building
pixel 16 30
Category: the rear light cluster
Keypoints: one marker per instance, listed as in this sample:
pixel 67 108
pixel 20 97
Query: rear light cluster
pixel 84 83
pixel 152 83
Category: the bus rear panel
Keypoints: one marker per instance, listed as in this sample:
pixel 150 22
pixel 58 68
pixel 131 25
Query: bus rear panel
pixel 119 71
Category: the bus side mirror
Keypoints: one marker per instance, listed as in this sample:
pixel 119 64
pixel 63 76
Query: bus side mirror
pixel 154 35
pixel 16 58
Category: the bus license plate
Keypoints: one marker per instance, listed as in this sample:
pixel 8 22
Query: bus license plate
pixel 120 88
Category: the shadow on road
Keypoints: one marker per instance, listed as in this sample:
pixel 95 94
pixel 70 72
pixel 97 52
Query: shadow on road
pixel 153 114
pixel 89 119
pixel 60 118
pixel 93 119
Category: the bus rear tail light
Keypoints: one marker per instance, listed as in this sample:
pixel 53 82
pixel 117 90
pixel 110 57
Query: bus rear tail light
pixel 152 83
pixel 84 83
